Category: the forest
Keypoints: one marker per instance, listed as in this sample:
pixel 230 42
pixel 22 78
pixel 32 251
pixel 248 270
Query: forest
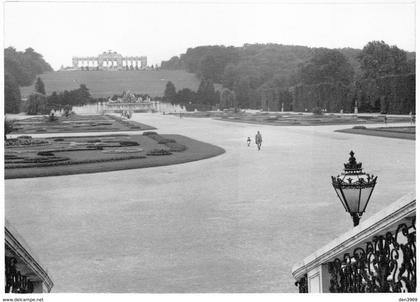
pixel 260 74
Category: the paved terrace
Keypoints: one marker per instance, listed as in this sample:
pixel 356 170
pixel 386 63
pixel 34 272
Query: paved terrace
pixel 233 223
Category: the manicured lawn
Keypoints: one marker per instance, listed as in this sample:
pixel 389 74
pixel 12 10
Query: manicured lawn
pixel 108 83
pixel 75 155
pixel 293 119
pixel 77 124
pixel 391 132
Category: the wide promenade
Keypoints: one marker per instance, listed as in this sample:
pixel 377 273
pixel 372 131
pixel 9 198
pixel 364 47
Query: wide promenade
pixel 233 223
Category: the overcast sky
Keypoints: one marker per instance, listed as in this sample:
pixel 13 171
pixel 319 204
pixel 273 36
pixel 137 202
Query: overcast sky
pixel 161 30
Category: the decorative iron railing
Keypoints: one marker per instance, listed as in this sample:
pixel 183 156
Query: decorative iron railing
pixel 302 284
pixel 386 264
pixel 15 281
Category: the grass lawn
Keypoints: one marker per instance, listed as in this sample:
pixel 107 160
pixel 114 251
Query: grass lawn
pixel 293 119
pixel 26 157
pixel 107 83
pixel 77 124
pixel 392 132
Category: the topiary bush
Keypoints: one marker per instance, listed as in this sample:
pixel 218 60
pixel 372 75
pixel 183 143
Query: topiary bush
pixel 45 153
pixel 128 143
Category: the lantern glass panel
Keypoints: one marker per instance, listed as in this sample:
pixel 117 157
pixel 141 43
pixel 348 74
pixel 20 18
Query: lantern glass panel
pixel 352 198
pixel 338 191
pixel 364 197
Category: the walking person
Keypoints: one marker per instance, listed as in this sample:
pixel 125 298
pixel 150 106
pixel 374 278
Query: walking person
pixel 385 120
pixel 248 141
pixel 258 140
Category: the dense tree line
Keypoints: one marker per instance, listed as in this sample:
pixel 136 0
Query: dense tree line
pixel 39 103
pixel 12 98
pixel 247 70
pixel 378 59
pixel 20 69
pixel 24 66
pixel 205 97
pixel 264 73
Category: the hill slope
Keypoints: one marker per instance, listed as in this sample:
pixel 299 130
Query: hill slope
pixel 108 83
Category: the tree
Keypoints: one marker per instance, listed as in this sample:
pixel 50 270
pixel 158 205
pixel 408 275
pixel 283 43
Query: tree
pixel 206 94
pixel 12 98
pixel 185 96
pixel 39 86
pixel 227 99
pixel 378 59
pixel 208 67
pixel 170 93
pixel 326 65
pixel 37 104
pixel 8 127
pixel 54 101
pixel 24 66
pixel 84 96
pixel 229 76
pixel 243 92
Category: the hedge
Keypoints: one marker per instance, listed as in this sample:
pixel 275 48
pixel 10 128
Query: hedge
pixel 390 94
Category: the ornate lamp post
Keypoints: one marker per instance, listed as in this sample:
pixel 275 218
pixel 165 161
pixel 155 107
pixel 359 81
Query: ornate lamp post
pixel 354 188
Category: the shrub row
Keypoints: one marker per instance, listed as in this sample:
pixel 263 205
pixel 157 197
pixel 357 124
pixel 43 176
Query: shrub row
pixel 36 160
pixel 158 152
pixel 128 143
pixel 87 161
pixel 390 94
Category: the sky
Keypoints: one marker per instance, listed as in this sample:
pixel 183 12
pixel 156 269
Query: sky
pixel 160 30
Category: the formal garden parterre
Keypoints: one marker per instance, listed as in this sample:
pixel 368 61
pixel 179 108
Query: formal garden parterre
pixel 296 119
pixel 75 124
pixel 408 132
pixel 34 157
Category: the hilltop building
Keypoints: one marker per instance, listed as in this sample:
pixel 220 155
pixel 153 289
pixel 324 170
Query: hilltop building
pixel 110 60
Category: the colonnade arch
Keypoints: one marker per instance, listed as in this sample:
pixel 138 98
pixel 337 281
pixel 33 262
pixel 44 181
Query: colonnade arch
pixel 110 61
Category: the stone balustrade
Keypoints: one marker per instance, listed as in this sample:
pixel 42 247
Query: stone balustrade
pixel 379 255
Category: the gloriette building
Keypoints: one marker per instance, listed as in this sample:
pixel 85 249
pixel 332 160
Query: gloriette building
pixel 110 60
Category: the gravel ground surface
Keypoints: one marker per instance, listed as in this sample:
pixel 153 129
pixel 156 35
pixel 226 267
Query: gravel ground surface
pixel 233 223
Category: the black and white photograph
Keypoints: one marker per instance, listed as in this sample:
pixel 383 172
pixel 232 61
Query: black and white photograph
pixel 209 147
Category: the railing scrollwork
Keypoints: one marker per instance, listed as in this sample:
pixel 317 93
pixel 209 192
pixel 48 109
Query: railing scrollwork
pixel 302 284
pixel 386 264
pixel 15 281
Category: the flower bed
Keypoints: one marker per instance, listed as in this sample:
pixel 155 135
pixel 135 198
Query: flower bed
pixel 128 143
pixel 175 147
pixel 123 150
pixel 169 142
pixel 159 152
pixel 77 123
pixel 14 162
